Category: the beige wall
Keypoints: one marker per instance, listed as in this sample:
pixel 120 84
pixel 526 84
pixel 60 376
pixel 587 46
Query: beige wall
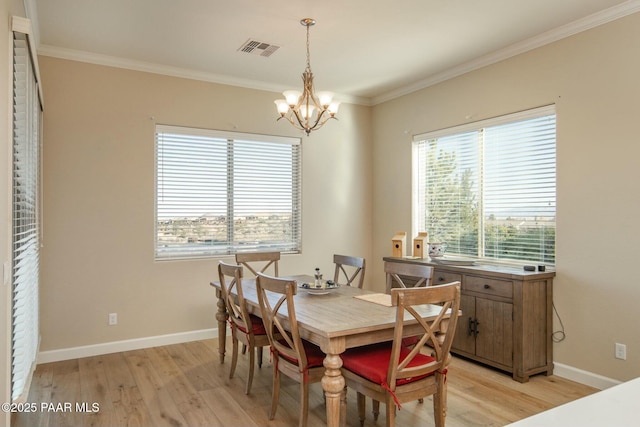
pixel 593 78
pixel 99 199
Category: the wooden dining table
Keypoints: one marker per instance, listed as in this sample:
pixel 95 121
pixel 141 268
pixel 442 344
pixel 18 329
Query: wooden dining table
pixel 335 321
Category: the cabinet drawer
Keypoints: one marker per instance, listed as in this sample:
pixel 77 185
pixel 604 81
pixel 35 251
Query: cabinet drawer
pixel 501 288
pixel 442 277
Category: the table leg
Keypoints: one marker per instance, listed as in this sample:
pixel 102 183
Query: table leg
pixel 333 386
pixel 221 317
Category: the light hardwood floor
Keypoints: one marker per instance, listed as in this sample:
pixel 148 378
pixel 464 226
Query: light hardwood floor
pixel 185 385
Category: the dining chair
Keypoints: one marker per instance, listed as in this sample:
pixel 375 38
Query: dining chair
pixel 259 262
pixel 405 275
pixel 294 357
pixel 245 328
pixel 352 269
pixel 394 374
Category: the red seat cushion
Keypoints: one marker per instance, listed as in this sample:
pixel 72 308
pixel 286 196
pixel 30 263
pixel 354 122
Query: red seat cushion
pixel 410 341
pixel 257 326
pixel 372 362
pixel 315 356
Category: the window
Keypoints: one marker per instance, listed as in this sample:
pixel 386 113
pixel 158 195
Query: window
pixel 488 189
pixel 25 277
pixel 219 193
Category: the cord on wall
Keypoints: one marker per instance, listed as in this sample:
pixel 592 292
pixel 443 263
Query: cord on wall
pixel 559 335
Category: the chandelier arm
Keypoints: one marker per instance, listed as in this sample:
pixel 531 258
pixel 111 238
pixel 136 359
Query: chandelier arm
pixel 326 119
pixel 311 92
pixel 308 91
pixel 316 102
pixel 300 122
pixel 320 115
pixel 293 123
pixel 320 124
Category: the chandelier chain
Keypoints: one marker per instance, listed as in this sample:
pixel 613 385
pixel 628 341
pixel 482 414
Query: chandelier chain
pixel 308 50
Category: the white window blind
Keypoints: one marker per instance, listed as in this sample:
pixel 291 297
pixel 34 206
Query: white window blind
pixel 219 193
pixel 488 189
pixel 25 218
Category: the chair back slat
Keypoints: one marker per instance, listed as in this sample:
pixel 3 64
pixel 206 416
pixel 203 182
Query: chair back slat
pixel 276 300
pixel 405 275
pixel 353 274
pixel 259 262
pixel 437 333
pixel 230 277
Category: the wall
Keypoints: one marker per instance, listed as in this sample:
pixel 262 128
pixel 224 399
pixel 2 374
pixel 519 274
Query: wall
pixel 99 199
pixel 592 78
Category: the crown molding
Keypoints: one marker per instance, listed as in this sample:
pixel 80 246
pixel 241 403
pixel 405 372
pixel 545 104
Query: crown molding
pixel 584 24
pixel 149 67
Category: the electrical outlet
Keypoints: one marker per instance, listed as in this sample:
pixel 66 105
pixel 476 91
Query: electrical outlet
pixel 621 351
pixel 113 319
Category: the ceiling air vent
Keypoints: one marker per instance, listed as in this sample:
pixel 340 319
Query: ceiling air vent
pixel 255 47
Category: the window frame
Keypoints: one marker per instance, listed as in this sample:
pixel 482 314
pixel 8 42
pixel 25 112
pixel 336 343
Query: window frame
pixel 233 140
pixel 417 220
pixel 26 214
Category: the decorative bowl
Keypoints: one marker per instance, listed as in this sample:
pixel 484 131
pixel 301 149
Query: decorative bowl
pixel 437 249
pixel 322 289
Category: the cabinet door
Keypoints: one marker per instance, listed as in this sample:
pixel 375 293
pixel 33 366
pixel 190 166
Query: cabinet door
pixel 495 331
pixel 465 340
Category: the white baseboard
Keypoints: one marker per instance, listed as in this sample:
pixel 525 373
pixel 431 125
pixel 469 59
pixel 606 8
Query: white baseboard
pixel 583 377
pixel 125 345
pixel 565 371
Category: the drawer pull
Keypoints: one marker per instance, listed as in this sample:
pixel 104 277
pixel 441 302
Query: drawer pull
pixel 487 286
pixel 440 279
pixel 473 327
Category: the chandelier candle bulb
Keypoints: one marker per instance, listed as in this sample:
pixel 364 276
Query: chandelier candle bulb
pixel 325 98
pixel 292 97
pixel 282 106
pixel 306 111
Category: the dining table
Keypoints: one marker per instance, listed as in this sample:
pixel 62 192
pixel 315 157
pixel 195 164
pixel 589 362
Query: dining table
pixel 340 318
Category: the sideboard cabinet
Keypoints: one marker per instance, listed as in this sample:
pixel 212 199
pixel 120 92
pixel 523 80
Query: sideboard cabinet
pixel 506 319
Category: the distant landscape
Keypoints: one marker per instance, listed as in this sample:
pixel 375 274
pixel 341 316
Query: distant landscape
pixel 215 230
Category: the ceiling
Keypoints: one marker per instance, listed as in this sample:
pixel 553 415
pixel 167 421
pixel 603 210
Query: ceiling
pixel 366 51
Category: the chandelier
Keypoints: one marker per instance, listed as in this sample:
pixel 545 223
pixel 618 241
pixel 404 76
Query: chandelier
pixel 307 111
